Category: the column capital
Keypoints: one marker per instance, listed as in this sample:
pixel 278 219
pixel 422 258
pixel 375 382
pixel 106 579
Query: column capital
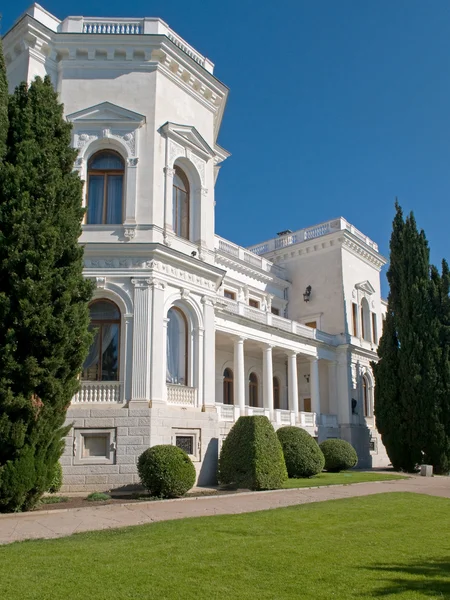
pixel 239 338
pixel 169 172
pixel 266 347
pixel 292 353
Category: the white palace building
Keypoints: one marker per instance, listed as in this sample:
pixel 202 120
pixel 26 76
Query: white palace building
pixel 192 330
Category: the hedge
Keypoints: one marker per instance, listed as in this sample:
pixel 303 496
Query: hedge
pixel 166 471
pixel 302 454
pixel 251 456
pixel 339 455
pixel 57 479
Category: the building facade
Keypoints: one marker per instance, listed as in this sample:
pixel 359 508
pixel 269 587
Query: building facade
pixel 192 330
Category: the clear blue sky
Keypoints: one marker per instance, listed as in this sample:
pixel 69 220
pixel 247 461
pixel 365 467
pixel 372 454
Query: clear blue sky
pixel 335 108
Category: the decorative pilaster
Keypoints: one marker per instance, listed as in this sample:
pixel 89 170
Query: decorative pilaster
pixel 315 386
pixel 239 375
pixel 157 343
pixel 209 353
pixel 332 386
pixel 140 386
pixel 293 384
pixel 268 380
pixel 168 201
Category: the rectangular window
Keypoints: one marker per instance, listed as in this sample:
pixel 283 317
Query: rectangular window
pixel 275 311
pixel 373 445
pixel 374 328
pixel 312 324
pixel 307 404
pixel 189 441
pixel 229 294
pixel 355 319
pixel 363 329
pixel 94 446
pixel 254 303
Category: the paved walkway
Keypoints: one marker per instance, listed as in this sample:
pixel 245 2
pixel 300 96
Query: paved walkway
pixel 63 522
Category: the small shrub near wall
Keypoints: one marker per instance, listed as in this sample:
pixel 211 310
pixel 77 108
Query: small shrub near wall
pixel 251 456
pixel 302 454
pixel 166 471
pixel 339 455
pixel 57 479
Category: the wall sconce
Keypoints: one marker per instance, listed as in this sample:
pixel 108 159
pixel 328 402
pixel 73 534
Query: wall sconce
pixel 307 294
pixel 307 378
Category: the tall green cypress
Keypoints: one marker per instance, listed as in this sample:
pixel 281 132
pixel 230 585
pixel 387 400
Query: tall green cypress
pixel 411 390
pixel 3 104
pixel 44 317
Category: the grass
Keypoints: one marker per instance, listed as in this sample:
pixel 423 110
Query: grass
pixel 388 545
pixel 53 499
pixel 345 477
pixel 98 497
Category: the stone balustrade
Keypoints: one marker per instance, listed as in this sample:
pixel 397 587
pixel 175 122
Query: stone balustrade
pixel 99 392
pixel 181 395
pixel 249 257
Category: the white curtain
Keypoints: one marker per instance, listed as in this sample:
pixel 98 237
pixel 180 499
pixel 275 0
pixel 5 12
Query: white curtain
pixel 108 333
pixel 176 348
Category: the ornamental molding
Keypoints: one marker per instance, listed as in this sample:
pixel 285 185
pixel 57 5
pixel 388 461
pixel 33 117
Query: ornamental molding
pixel 129 233
pixel 126 138
pixel 106 114
pixel 245 268
pixel 366 287
pixel 187 136
pixel 358 250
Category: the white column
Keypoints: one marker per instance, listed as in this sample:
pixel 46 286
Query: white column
pixel 209 354
pixel 268 380
pixel 168 200
pixel 345 390
pixel 332 387
pixel 315 386
pixel 158 344
pixel 293 384
pixel 131 192
pixel 239 375
pixel 140 379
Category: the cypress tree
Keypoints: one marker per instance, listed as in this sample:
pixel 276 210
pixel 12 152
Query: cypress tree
pixel 411 376
pixel 3 104
pixel 44 316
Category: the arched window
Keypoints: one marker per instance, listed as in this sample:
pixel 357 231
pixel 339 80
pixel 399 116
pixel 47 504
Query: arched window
pixel 253 390
pixel 228 392
pixel 102 362
pixel 105 189
pixel 177 347
pixel 276 393
pixel 366 329
pixel 180 204
pixel 366 397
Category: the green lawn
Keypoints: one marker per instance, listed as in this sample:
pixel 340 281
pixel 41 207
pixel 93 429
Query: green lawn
pixel 341 478
pixel 388 545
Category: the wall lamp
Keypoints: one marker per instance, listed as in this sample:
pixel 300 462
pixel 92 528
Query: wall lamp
pixel 307 294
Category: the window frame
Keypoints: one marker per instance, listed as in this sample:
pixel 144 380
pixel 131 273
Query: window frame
pixel 196 443
pixel 175 216
pixel 229 294
pixel 96 327
pixel 253 385
pixel 105 173
pixel 254 303
pixel 228 384
pixel 78 440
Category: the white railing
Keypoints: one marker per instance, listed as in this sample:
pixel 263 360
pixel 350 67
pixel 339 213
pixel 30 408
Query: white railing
pixel 181 395
pixel 255 410
pixel 329 420
pixel 249 257
pixel 285 416
pixel 307 419
pixel 281 323
pixel 255 314
pixel 99 392
pixel 226 412
pixel 311 233
pixel 113 27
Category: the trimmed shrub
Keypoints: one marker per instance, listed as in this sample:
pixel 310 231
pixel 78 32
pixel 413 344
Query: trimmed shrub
pixel 302 454
pixel 251 456
pixel 166 471
pixel 339 455
pixel 57 479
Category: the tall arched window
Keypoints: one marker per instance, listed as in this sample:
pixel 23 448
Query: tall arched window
pixel 177 347
pixel 102 362
pixel 276 393
pixel 366 326
pixel 366 397
pixel 105 189
pixel 253 390
pixel 181 204
pixel 228 392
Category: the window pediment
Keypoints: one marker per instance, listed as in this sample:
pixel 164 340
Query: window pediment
pixel 365 286
pixel 106 113
pixel 188 136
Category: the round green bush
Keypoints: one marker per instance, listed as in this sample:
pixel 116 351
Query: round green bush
pixel 166 471
pixel 302 454
pixel 57 479
pixel 339 455
pixel 251 456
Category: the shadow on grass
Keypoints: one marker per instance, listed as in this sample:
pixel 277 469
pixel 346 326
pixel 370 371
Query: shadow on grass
pixel 428 579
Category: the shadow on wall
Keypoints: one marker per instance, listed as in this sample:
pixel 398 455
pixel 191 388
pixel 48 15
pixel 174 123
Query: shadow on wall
pixel 427 580
pixel 208 470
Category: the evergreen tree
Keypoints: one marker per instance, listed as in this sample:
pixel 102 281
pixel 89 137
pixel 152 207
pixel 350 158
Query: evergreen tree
pixel 3 104
pixel 44 316
pixel 411 390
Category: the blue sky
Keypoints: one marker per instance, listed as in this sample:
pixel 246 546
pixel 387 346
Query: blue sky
pixel 336 107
